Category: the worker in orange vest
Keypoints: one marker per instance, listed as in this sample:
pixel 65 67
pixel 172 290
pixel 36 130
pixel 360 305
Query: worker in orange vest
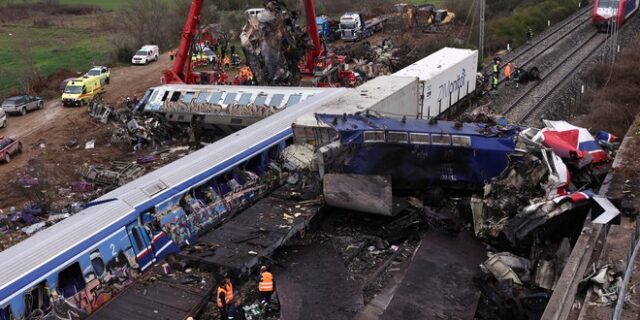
pixel 224 296
pixel 227 62
pixel 507 74
pixel 266 285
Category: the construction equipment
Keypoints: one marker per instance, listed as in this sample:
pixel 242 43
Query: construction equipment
pixel 327 28
pixel 441 21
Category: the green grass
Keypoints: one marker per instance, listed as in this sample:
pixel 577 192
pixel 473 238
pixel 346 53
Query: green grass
pixel 105 4
pixel 53 48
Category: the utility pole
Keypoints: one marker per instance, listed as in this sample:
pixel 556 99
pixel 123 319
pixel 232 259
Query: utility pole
pixel 481 29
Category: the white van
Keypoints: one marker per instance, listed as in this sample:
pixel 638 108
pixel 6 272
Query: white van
pixel 253 12
pixel 146 54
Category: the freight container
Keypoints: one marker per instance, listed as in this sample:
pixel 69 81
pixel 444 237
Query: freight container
pixel 446 77
pixel 388 96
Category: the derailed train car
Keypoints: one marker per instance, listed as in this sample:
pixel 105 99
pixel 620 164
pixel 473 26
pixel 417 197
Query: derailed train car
pixel 76 266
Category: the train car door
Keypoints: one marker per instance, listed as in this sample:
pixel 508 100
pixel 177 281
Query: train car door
pixel 141 246
pixel 161 243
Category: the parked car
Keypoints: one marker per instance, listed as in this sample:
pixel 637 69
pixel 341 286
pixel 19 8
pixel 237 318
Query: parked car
pixel 146 54
pixel 3 118
pixel 9 147
pixel 21 104
pixel 101 72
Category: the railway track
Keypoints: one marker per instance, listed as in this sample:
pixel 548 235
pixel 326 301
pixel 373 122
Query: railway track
pixel 550 39
pixel 535 95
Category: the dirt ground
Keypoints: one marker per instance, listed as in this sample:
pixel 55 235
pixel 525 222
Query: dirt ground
pixel 44 134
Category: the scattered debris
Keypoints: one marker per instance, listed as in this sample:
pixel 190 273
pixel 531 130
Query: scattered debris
pixel 117 174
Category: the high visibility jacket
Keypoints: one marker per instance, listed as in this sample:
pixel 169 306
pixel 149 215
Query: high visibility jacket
pixel 266 282
pixel 494 80
pixel 219 301
pixel 507 71
pixel 227 60
pixel 229 292
pixel 495 68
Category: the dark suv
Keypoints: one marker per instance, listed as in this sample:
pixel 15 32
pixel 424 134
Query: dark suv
pixel 21 104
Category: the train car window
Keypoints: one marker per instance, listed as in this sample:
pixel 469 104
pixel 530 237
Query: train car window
pixel 176 96
pixel 374 136
pixel 276 100
pixel 261 100
pixel 165 95
pixel 245 98
pixel 441 139
pixel 188 97
pixel 398 137
pixel 154 95
pixel 137 238
pixel 6 313
pixel 202 97
pixel 37 301
pixel 231 96
pixel 71 281
pixel 293 100
pixel 461 141
pixel 215 97
pixel 420 138
pixel 97 263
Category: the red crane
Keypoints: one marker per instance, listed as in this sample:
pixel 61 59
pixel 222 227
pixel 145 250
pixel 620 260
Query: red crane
pixel 181 71
pixel 177 73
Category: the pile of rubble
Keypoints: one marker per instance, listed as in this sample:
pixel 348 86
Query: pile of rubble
pixel 115 175
pixel 273 44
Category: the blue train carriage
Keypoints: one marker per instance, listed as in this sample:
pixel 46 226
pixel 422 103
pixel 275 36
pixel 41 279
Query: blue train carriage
pixel 423 153
pixel 74 267
pixel 76 288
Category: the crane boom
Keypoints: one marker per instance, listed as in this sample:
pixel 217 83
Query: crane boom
pixel 177 73
pixel 312 29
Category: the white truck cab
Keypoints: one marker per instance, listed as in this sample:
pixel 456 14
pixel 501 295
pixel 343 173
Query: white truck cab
pixel 146 54
pixel 351 26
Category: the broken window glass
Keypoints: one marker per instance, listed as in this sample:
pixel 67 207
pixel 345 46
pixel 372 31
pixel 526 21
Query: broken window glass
pixel 6 313
pixel 231 96
pixel 97 263
pixel 276 100
pixel 37 299
pixel 461 141
pixel 71 281
pixel 420 138
pixel 398 137
pixel 441 139
pixel 293 100
pixel 374 136
pixel 137 238
pixel 215 97
pixel 175 96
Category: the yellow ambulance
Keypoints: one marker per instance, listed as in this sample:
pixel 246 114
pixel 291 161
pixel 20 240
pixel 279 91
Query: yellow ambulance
pixel 81 91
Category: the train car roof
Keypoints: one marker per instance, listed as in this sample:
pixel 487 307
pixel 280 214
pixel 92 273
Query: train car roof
pixel 28 262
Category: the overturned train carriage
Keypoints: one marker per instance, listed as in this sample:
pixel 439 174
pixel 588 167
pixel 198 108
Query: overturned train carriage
pixel 419 153
pixel 227 108
pixel 74 267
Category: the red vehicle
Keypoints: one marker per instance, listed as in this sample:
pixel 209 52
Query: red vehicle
pixel 606 11
pixel 9 147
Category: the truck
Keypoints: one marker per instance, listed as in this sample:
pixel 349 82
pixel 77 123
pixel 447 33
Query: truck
pixel 446 77
pixel 81 91
pixel 353 27
pixel 327 28
pixel 146 54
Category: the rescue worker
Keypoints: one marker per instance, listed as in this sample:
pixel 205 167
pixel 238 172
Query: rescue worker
pixel 494 83
pixel 529 35
pixel 495 68
pixel 224 296
pixel 236 312
pixel 266 285
pixel 171 54
pixel 227 62
pixel 507 74
pixel 222 79
pixel 516 75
